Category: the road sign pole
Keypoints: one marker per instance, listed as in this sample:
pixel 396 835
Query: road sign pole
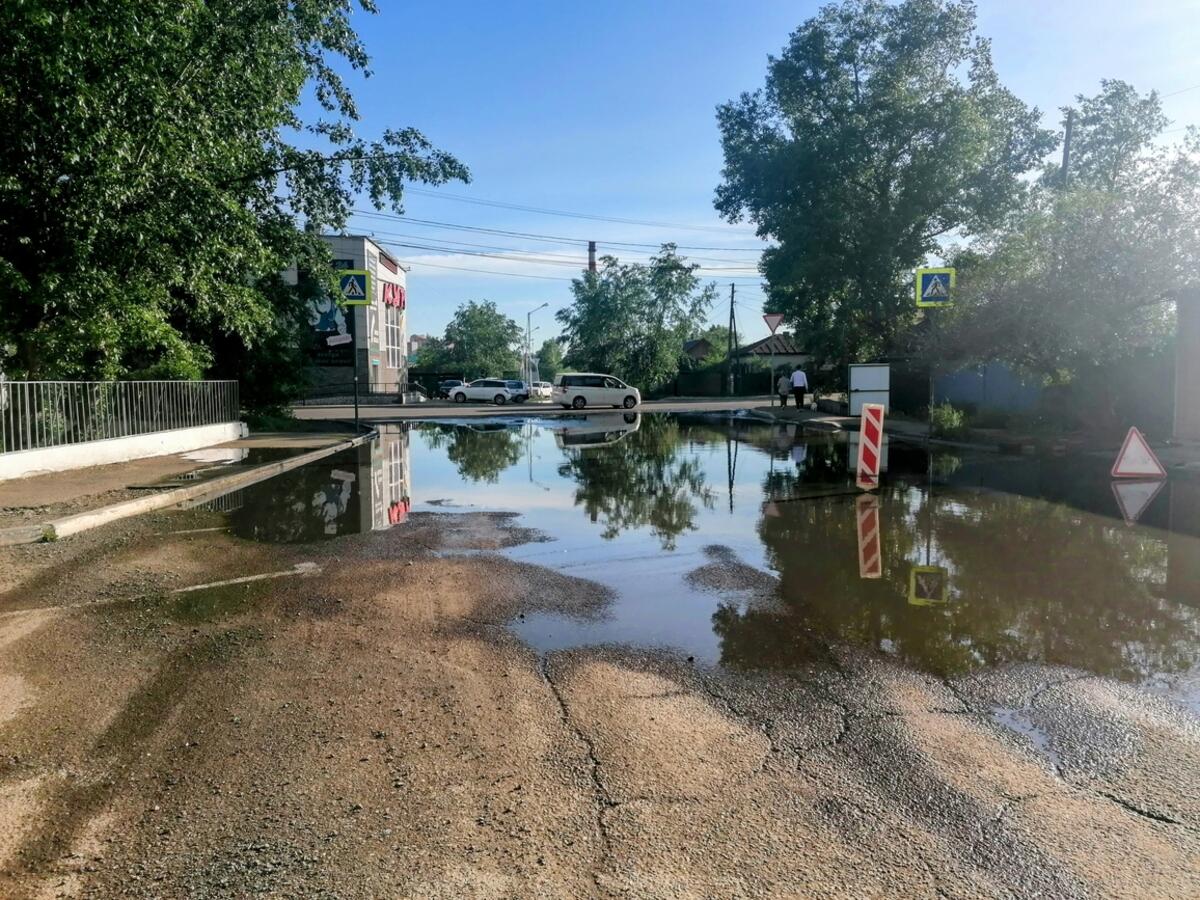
pixel 356 395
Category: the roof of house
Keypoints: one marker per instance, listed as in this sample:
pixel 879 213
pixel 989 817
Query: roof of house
pixel 689 346
pixel 778 344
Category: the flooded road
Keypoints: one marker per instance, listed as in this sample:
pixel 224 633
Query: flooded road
pixel 613 655
pixel 752 536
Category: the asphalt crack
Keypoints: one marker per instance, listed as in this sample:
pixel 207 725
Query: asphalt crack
pixel 1139 811
pixel 603 799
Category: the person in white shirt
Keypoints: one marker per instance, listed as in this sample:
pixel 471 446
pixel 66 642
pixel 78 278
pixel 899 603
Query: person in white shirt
pixel 799 386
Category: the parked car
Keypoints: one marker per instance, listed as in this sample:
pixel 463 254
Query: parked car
pixel 541 390
pixel 446 388
pixel 487 389
pixel 519 391
pixel 580 389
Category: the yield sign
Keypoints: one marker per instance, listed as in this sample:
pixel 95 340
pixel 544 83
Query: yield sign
pixel 870 439
pixel 1134 496
pixel 1136 459
pixel 773 320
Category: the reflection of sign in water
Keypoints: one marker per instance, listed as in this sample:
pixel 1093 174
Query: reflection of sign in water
pixel 928 585
pixel 870 550
pixel 935 287
pixel 331 501
pixel 1133 497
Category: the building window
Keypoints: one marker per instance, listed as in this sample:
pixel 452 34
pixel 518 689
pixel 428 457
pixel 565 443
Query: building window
pixel 394 336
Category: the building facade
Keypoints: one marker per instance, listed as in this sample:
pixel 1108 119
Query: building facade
pixel 371 339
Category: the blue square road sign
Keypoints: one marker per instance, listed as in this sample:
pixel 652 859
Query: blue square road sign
pixel 935 287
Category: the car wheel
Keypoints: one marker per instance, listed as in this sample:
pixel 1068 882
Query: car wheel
pixel 579 403
pixel 460 397
pixel 499 399
pixel 630 402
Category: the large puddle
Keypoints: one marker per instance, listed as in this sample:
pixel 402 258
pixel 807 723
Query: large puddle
pixel 745 544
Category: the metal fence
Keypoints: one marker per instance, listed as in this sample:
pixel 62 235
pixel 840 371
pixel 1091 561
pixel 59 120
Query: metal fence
pixel 39 414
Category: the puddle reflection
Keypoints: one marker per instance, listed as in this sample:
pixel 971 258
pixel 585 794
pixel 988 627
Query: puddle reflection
pixel 957 562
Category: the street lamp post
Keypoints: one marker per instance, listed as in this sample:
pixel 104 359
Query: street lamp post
pixel 527 374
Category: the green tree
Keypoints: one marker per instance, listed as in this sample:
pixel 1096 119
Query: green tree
pixel 480 341
pixel 631 319
pixel 1111 132
pixel 550 359
pixel 1088 272
pixel 882 127
pixel 718 338
pixel 157 170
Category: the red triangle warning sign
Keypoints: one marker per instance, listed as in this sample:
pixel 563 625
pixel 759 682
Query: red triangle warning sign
pixel 1136 459
pixel 1134 496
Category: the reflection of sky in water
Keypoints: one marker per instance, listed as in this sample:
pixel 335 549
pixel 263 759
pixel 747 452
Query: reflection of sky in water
pixel 1040 568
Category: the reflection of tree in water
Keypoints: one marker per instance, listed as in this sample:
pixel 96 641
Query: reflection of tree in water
pixel 641 480
pixel 1030 581
pixel 480 453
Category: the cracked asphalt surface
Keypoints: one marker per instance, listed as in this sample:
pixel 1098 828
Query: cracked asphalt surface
pixel 376 730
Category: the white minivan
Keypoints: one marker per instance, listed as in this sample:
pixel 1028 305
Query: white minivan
pixel 580 389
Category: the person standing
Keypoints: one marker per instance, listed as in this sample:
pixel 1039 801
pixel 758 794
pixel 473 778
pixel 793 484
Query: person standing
pixel 799 386
pixel 783 387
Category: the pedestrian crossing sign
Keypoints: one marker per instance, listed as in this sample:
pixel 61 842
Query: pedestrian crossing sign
pixel 935 287
pixel 355 287
pixel 928 586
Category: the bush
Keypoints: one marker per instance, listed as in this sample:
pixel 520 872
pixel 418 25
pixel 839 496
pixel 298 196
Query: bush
pixel 948 421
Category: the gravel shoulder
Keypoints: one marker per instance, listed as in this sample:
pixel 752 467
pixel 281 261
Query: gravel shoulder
pixel 373 729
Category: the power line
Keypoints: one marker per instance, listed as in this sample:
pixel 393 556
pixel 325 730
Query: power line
pixel 419 263
pixel 721 271
pixel 1180 91
pixel 736 264
pixel 535 260
pixel 547 238
pixel 458 198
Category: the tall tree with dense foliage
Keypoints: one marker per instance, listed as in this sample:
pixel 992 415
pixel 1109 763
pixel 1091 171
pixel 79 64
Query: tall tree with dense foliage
pixel 882 127
pixel 480 341
pixel 157 177
pixel 550 359
pixel 1090 271
pixel 631 319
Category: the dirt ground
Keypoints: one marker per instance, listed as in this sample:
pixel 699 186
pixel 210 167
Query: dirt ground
pixel 371 729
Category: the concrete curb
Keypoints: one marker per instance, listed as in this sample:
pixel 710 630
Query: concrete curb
pixel 74 524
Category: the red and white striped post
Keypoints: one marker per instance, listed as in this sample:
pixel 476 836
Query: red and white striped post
pixel 870 550
pixel 870 440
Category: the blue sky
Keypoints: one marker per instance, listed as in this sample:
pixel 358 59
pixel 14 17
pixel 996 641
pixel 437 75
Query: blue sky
pixel 607 109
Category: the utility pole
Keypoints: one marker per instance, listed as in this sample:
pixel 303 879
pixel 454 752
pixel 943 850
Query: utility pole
pixel 730 346
pixel 591 256
pixel 526 376
pixel 1066 160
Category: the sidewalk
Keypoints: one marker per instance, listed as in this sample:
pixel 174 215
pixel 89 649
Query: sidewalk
pixel 31 502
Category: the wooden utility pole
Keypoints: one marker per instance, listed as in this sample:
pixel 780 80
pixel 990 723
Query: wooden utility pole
pixel 1066 160
pixel 730 346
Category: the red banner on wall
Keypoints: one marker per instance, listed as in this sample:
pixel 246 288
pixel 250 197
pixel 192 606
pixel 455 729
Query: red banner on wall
pixel 394 295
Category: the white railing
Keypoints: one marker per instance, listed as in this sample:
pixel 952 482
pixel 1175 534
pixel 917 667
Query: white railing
pixel 39 414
